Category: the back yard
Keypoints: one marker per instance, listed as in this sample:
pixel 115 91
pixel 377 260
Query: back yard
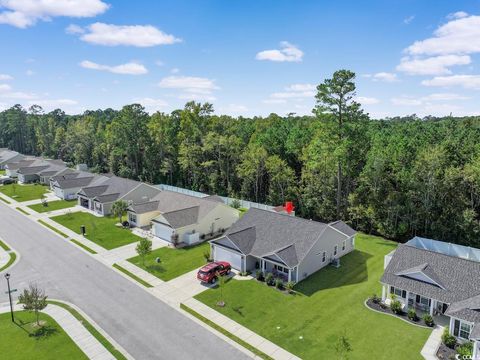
pixel 100 230
pixel 326 305
pixel 173 262
pixel 24 192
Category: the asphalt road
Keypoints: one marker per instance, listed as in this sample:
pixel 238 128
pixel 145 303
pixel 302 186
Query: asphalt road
pixel 145 326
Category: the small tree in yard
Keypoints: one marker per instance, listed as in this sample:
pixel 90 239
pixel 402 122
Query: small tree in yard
pixel 119 208
pixel 342 346
pixel 33 299
pixel 144 248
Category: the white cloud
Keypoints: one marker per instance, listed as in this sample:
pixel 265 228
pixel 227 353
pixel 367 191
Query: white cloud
pixel 384 76
pixel 301 87
pixel 17 95
pixel 444 97
pixel 175 70
pixel 25 13
pixel 408 19
pixel 189 83
pixel 126 35
pixel 29 72
pixel 457 15
pixel 197 97
pixel 5 87
pixel 437 65
pixel 367 100
pixel 5 77
pixel 296 91
pixel 152 105
pixel 287 52
pixel 130 68
pixel 461 35
pixel 53 103
pixel 405 101
pixel 233 109
pixel 74 29
pixel 274 101
pixel 465 81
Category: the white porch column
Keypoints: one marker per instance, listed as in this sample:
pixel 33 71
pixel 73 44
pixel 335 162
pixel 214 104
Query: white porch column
pixel 262 265
pixel 476 350
pixel 384 293
pixel 289 275
pixel 432 303
pixel 406 300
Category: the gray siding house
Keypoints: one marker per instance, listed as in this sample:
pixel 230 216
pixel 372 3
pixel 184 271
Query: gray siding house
pixel 8 156
pixel 68 184
pixel 438 278
pixel 290 247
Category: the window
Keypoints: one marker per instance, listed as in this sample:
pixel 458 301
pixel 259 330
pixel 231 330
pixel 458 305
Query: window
pixel 280 269
pixel 344 245
pixel 132 218
pixel 422 300
pixel 335 250
pixel 461 329
pixel 324 256
pixel 398 292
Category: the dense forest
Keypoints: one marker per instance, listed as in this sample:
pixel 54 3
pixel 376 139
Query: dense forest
pixel 396 177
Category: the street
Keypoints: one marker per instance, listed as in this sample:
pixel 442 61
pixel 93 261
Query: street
pixel 145 326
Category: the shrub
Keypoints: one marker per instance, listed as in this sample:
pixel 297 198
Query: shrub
pixel 465 350
pixel 259 275
pixel 412 314
pixel 448 339
pixel 269 279
pixel 279 283
pixel 236 204
pixel 244 273
pixel 289 286
pixel 206 255
pixel 427 318
pixel 375 299
pixel 396 307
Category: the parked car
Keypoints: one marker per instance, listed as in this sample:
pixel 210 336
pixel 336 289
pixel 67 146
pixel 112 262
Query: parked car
pixel 209 272
pixel 6 181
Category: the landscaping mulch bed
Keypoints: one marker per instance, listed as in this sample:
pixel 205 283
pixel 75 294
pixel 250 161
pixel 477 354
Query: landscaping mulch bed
pixel 385 309
pixel 445 353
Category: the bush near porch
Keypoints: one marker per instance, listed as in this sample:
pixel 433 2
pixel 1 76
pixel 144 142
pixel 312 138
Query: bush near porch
pixel 53 205
pixel 24 192
pixel 173 262
pixel 329 302
pixel 101 230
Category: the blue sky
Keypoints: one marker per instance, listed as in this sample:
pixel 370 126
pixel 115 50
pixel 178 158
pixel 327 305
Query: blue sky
pixel 246 57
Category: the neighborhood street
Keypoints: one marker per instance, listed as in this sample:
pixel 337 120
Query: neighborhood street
pixel 145 326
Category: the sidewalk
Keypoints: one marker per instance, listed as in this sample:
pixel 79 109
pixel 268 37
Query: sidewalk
pixel 128 251
pixel 429 350
pixel 75 330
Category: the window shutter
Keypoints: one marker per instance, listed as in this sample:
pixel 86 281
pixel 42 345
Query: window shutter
pixel 417 298
pixel 456 327
pixel 392 289
pixel 429 302
pixel 404 294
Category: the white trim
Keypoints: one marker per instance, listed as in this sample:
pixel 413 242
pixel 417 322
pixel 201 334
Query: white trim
pixel 339 230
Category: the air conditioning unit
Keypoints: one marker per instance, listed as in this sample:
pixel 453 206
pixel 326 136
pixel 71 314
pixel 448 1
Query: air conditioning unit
pixel 335 262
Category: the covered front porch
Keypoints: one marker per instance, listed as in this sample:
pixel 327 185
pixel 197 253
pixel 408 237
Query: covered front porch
pixel 278 269
pixel 421 304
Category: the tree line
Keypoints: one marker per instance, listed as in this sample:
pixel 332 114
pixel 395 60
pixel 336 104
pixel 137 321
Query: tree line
pixel 396 177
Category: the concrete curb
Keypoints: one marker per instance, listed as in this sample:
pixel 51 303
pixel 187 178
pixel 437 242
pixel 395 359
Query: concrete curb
pixel 17 259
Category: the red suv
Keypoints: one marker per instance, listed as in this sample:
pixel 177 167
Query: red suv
pixel 209 272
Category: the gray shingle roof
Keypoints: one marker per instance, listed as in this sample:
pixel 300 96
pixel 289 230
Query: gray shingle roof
pixel 459 277
pixel 263 233
pixel 145 207
pixel 31 170
pixel 468 309
pixel 182 217
pixel 342 227
pixel 111 188
pixel 7 155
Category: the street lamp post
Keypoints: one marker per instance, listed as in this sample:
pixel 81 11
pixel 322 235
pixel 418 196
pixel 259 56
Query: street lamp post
pixel 7 276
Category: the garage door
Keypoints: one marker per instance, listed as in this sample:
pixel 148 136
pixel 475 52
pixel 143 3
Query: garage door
pixel 163 232
pixel 235 259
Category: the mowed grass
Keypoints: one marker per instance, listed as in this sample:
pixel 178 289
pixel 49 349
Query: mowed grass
pixel 24 192
pixel 173 262
pixel 18 343
pixel 53 205
pixel 101 230
pixel 327 304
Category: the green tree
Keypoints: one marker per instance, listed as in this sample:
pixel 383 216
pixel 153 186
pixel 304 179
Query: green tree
pixel 144 248
pixel 33 299
pixel 119 208
pixel 335 97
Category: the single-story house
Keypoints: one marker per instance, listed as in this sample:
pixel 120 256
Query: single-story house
pixel 290 247
pixel 40 170
pixel 100 197
pixel 7 156
pixel 68 184
pixel 439 278
pixel 11 168
pixel 184 217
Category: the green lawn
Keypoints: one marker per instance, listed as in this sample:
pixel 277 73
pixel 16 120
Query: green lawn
pixel 173 262
pixel 328 303
pixel 18 343
pixel 2 171
pixel 24 192
pixel 100 230
pixel 53 205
